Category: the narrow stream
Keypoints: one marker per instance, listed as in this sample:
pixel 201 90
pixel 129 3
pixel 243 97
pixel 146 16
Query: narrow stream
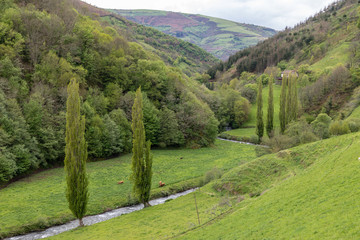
pixel 223 139
pixel 90 220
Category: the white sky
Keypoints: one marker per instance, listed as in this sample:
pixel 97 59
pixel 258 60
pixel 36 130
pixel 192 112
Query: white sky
pixel 276 14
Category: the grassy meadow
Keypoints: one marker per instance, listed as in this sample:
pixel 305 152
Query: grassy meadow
pixel 39 201
pixel 308 192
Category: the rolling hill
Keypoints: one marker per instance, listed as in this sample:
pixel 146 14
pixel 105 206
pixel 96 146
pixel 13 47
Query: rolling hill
pixel 218 36
pixel 322 48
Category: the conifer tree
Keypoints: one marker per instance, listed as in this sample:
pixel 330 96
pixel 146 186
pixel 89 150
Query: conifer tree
pixel 288 103
pixel 141 158
pixel 259 115
pixel 270 112
pixel 75 154
pixel 282 112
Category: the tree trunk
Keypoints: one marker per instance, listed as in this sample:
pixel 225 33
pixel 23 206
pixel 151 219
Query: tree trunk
pixel 81 223
pixel 146 204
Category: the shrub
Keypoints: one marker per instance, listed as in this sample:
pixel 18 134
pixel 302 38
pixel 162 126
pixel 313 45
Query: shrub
pixel 321 125
pixel 339 128
pixel 213 174
pixel 279 142
pixel 354 124
pixel 249 91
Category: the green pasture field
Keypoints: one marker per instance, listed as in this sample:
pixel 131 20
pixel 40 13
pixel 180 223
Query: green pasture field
pixel 39 201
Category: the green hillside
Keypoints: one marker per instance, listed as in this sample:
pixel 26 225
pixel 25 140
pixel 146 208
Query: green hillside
pixel 308 192
pixel 219 37
pixel 323 50
pixel 319 202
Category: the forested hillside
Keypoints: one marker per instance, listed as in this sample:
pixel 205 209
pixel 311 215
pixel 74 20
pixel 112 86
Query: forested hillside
pixel 44 44
pixel 323 51
pixel 218 36
pixel 182 54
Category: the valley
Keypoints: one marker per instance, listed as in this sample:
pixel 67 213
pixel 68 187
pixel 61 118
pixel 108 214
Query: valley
pixel 99 112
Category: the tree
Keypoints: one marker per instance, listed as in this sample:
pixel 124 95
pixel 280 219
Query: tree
pixel 282 112
pixel 259 115
pixel 294 104
pixel 141 158
pixel 75 154
pixel 289 99
pixel 270 112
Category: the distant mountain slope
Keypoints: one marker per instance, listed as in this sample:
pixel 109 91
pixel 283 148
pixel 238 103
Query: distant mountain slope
pixel 189 57
pixel 218 36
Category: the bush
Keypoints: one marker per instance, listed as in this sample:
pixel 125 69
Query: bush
pixel 354 124
pixel 249 91
pixel 279 142
pixel 339 128
pixel 213 174
pixel 321 125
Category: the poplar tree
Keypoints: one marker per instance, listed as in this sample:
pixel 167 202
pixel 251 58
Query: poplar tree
pixel 294 104
pixel 75 154
pixel 141 158
pixel 270 112
pixel 259 115
pixel 282 112
pixel 288 111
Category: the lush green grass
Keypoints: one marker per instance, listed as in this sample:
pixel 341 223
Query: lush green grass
pixel 308 192
pixel 242 132
pixel 355 113
pixel 320 202
pixel 158 222
pixel 39 200
pixel 338 55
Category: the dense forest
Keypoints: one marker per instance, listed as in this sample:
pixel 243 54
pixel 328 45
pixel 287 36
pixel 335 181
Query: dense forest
pixel 44 44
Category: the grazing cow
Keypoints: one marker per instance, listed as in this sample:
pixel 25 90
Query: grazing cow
pixel 161 184
pixel 121 182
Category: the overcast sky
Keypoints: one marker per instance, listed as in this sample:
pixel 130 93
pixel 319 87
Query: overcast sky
pixel 276 14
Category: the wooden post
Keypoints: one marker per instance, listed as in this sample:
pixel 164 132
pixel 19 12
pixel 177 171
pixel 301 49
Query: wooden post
pixel 197 211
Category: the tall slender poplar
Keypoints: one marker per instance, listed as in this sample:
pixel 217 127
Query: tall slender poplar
pixel 141 158
pixel 259 115
pixel 294 107
pixel 288 111
pixel 75 154
pixel 282 112
pixel 270 112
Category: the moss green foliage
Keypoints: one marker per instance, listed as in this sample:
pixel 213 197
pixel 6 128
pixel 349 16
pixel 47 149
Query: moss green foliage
pixel 270 111
pixel 141 160
pixel 220 36
pixel 39 201
pixel 259 113
pixel 75 154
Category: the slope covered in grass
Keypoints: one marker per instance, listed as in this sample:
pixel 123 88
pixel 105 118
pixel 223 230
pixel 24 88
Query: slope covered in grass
pixel 308 192
pixel 320 202
pixel 39 200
